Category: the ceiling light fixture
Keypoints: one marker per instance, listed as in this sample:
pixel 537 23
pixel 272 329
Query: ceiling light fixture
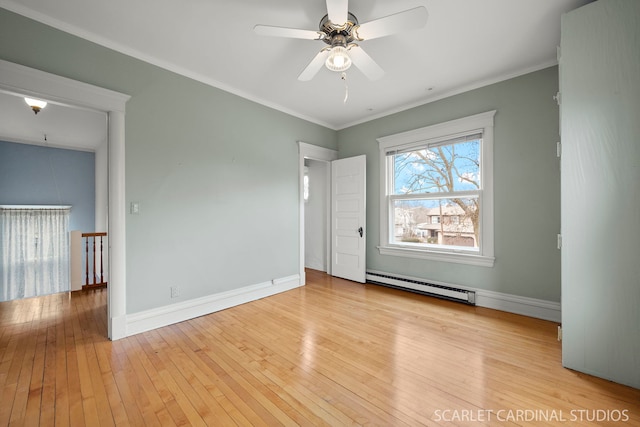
pixel 35 104
pixel 338 59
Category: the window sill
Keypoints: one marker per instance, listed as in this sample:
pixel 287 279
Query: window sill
pixel 458 258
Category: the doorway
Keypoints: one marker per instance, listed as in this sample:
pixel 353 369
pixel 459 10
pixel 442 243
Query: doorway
pixel 55 162
pixel 316 210
pixel 16 79
pixel 337 224
pixel 315 213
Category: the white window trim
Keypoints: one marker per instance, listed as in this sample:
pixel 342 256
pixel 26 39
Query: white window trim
pixel 418 137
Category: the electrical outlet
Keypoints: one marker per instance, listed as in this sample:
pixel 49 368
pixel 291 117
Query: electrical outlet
pixel 175 292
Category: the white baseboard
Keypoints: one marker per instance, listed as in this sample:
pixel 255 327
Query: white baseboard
pixel 179 312
pixel 532 307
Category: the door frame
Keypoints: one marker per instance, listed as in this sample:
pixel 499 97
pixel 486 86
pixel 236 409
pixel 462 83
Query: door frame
pixel 313 152
pixel 20 80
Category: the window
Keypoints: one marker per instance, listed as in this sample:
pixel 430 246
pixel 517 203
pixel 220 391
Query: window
pixel 305 183
pixel 34 252
pixel 436 197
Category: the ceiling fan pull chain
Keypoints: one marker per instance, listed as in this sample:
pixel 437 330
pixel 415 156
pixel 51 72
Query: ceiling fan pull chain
pixel 343 76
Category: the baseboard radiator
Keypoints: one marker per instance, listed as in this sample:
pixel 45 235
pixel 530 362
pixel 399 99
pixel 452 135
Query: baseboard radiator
pixel 425 288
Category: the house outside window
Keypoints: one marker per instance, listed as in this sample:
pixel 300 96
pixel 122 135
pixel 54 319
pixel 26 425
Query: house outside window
pixel 436 198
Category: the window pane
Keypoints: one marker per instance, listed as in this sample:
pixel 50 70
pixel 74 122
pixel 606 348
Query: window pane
pixel 446 223
pixel 443 168
pixel 305 189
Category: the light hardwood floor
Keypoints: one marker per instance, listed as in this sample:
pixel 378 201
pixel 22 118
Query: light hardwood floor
pixel 330 353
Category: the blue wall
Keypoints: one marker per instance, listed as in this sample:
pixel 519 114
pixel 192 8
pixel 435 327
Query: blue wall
pixel 35 175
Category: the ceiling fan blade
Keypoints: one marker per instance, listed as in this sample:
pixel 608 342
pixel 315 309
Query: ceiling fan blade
pixel 314 66
pixel 363 61
pixel 337 11
pixel 411 19
pixel 266 30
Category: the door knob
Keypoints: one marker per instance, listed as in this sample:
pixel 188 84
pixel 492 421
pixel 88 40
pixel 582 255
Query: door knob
pixel 360 230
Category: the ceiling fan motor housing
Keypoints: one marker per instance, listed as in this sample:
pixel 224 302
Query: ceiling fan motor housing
pixel 339 35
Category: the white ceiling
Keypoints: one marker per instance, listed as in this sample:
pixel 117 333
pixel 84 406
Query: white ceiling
pixel 62 126
pixel 465 44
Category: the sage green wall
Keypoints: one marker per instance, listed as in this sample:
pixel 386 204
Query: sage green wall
pixel 526 192
pixel 216 175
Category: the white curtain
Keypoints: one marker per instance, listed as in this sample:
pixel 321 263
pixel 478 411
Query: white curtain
pixel 34 252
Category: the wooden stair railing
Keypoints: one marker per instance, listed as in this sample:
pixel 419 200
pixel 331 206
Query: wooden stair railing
pixel 92 268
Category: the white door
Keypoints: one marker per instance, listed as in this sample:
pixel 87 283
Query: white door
pixel 348 215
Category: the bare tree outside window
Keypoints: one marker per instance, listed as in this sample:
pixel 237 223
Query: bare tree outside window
pixel 441 185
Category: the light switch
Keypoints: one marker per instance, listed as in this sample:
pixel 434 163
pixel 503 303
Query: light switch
pixel 135 208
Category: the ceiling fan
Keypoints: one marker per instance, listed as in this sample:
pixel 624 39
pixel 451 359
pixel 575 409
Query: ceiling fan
pixel 341 30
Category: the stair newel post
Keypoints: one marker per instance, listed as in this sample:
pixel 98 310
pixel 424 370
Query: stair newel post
pixel 86 265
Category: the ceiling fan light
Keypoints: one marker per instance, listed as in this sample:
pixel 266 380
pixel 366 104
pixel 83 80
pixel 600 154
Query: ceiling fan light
pixel 35 104
pixel 338 59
